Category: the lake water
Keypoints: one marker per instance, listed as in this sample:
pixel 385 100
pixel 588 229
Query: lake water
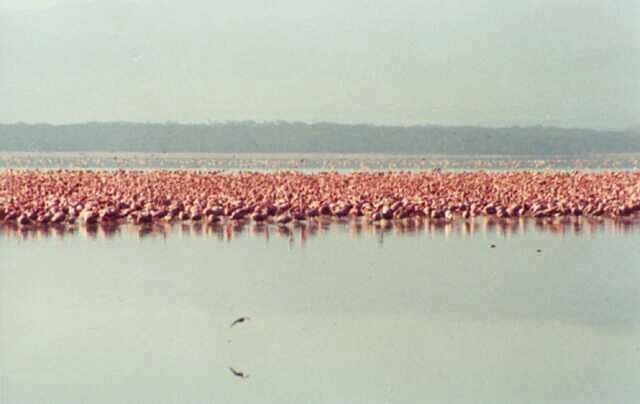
pixel 340 313
pixel 310 162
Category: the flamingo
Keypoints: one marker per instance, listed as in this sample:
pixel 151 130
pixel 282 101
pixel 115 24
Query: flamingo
pixel 238 373
pixel 239 320
pixel 283 219
pixel 146 197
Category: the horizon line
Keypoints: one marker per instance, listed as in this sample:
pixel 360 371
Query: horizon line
pixel 631 128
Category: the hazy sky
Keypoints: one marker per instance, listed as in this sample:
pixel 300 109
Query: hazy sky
pixel 488 62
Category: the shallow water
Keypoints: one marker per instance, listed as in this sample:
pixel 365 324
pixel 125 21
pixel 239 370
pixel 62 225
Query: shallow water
pixel 311 162
pixel 340 313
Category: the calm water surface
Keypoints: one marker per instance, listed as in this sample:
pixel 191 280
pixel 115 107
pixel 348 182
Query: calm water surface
pixel 311 162
pixel 338 315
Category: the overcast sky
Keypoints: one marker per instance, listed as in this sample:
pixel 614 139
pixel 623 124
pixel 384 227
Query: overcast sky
pixel 472 62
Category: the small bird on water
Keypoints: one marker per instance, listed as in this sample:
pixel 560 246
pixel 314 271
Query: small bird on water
pixel 240 320
pixel 238 373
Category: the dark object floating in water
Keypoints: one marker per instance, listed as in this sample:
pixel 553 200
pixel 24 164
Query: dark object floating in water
pixel 538 250
pixel 493 246
pixel 238 373
pixel 240 320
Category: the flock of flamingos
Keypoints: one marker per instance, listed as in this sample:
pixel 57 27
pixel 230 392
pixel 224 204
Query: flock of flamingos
pixel 60 198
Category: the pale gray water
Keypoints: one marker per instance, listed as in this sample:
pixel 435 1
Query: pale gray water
pixel 347 315
pixel 311 162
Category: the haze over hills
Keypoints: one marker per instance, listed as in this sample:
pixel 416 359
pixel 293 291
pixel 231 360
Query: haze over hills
pixel 297 137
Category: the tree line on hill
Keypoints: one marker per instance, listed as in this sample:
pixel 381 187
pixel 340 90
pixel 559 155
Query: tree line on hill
pixel 297 137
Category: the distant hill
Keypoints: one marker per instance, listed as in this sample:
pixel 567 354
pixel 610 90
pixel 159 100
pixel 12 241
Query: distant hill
pixel 295 137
